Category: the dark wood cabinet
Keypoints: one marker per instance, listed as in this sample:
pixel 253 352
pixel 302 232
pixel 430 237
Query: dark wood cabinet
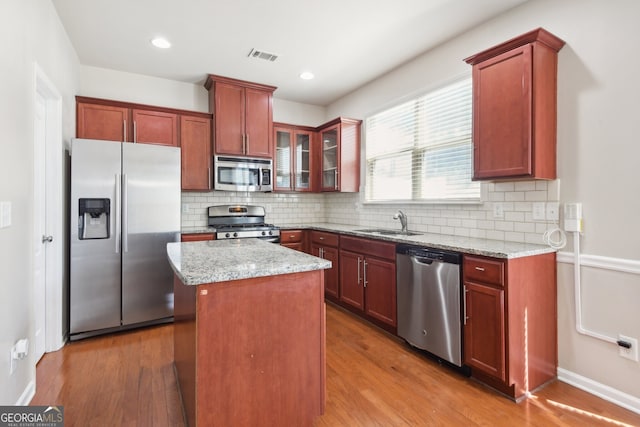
pixel 293 160
pixel 484 335
pixel 243 116
pixel 325 245
pixel 196 237
pixel 195 144
pixel 514 108
pixel 126 122
pixel 339 148
pixel 293 239
pixel 510 325
pixel 368 278
pixel 98 121
pixel 154 127
pixel 117 121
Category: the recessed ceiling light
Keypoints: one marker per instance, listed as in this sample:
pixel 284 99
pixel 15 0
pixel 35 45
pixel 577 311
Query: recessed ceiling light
pixel 161 43
pixel 307 75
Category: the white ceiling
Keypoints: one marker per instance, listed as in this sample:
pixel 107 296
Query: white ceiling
pixel 345 43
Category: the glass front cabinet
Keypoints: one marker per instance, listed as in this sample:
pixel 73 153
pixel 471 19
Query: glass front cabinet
pixel 340 155
pixel 293 158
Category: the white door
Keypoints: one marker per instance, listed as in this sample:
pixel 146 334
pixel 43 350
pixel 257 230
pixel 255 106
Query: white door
pixel 41 238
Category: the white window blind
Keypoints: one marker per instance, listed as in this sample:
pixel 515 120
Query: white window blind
pixel 421 150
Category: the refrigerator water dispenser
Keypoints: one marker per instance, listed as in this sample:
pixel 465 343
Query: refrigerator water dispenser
pixel 93 221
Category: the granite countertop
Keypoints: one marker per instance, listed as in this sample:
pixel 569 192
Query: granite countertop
pixel 467 245
pixel 211 261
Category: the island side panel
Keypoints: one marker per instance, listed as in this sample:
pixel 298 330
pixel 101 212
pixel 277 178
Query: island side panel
pixel 261 351
pixel 184 346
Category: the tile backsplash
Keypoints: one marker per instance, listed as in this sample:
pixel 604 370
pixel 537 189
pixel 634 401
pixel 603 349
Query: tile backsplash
pixel 471 220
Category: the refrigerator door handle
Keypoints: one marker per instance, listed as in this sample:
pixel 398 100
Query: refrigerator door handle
pixel 116 212
pixel 125 214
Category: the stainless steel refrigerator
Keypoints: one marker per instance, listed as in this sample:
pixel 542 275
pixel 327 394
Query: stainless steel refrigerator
pixel 125 208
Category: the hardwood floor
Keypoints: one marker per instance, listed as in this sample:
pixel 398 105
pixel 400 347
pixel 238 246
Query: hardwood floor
pixel 373 379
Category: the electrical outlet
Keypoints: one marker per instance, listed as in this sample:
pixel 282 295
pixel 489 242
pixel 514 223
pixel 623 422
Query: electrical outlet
pixel 498 210
pixel 538 211
pixel 185 208
pixel 553 209
pixel 629 353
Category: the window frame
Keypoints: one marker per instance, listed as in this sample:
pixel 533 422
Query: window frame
pixel 418 151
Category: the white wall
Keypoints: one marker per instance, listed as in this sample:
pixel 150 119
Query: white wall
pixel 30 32
pixel 598 153
pixel 104 83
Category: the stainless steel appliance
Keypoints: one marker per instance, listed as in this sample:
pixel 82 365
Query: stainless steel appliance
pixel 429 300
pixel 241 222
pixel 242 173
pixel 125 207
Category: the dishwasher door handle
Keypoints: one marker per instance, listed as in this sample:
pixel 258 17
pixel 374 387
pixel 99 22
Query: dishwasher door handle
pixel 421 260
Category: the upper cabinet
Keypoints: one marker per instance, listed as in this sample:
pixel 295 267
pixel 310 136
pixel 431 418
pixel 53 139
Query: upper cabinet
pixel 195 144
pixel 243 116
pixel 120 121
pixel 340 155
pixel 117 121
pixel 514 108
pixel 293 161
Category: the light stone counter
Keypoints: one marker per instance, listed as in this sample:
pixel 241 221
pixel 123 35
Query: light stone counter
pixel 196 263
pixel 467 245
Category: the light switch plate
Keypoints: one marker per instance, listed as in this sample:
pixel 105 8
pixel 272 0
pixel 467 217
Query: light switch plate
pixel 539 211
pixel 5 214
pixel 498 210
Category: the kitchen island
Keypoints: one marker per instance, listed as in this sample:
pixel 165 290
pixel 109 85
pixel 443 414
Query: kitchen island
pixel 249 334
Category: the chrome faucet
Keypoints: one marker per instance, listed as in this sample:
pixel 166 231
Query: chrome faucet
pixel 403 220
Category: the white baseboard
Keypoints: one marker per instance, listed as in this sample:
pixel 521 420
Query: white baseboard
pixel 605 392
pixel 27 394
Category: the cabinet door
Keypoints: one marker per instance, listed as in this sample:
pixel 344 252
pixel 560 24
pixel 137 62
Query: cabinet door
pixel 331 277
pixel 104 122
pixel 502 125
pixel 380 290
pixel 229 119
pixel 351 279
pixel 484 329
pixel 196 237
pixel 155 127
pixel 329 141
pixel 303 161
pixel 283 159
pixel 258 122
pixel 195 144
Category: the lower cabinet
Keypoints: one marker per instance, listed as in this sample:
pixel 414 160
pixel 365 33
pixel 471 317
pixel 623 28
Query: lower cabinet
pixel 293 239
pixel 510 325
pixel 196 237
pixel 368 278
pixel 325 245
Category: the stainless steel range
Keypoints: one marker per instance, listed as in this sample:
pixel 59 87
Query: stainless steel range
pixel 241 222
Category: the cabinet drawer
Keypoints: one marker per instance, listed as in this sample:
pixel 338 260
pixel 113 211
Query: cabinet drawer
pixel 483 270
pixel 369 247
pixel 196 237
pixel 290 236
pixel 328 239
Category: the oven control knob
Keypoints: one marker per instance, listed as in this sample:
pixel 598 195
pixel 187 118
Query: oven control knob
pixel 263 233
pixel 270 232
pixel 235 234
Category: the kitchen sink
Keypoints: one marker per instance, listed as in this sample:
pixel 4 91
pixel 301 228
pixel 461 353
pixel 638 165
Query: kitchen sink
pixel 386 232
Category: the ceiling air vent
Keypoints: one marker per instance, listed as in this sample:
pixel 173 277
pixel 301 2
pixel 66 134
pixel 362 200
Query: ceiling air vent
pixel 259 54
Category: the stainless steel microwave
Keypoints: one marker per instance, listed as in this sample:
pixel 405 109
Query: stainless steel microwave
pixel 242 173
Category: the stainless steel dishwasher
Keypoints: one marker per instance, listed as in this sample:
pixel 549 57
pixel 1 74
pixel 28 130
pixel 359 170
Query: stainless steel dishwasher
pixel 429 291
